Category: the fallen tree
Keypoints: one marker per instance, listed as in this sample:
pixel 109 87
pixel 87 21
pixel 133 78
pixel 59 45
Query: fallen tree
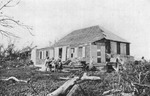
pixel 14 79
pixel 69 87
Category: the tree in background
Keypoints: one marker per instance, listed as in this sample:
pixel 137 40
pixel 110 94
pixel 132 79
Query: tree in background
pixel 7 26
pixel 7 22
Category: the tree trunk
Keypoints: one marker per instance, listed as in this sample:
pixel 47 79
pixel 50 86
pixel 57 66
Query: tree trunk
pixel 62 90
pixel 69 86
pixel 72 91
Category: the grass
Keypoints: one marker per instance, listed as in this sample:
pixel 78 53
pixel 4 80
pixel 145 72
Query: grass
pixel 43 83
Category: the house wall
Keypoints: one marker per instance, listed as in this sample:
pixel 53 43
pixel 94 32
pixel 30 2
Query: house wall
pixel 85 52
pixel 98 53
pixel 103 57
pixel 93 51
pixel 123 48
pixel 56 52
pixel 123 54
pixel 113 47
pixel 33 55
pixel 81 52
pixel 39 60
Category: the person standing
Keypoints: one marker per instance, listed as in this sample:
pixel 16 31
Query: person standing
pixel 47 61
pixel 143 60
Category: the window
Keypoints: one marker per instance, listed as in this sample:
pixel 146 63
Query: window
pixel 72 52
pixel 118 47
pixel 60 52
pixel 108 47
pixel 98 53
pixel 98 60
pixel 47 54
pixel 40 54
pixel 127 49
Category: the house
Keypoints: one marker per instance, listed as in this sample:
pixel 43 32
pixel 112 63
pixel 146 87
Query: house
pixel 88 44
pixel 42 53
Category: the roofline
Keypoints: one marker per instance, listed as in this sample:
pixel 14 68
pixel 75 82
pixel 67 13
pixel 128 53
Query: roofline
pixel 45 48
pixel 118 41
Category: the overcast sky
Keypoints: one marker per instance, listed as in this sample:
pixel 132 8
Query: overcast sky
pixel 52 19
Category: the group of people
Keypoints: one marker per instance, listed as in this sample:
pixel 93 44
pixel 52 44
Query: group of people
pixel 53 65
pixel 113 63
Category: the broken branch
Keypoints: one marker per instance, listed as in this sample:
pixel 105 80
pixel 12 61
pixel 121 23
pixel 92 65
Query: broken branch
pixel 68 85
pixel 15 79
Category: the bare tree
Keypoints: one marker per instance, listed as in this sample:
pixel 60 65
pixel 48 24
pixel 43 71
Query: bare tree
pixel 10 22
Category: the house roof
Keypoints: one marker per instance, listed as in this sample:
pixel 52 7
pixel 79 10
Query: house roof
pixel 86 35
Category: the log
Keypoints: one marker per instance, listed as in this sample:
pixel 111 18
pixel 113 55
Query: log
pixel 85 77
pixel 112 91
pixel 64 78
pixel 64 88
pixel 72 91
pixel 14 79
pixel 68 85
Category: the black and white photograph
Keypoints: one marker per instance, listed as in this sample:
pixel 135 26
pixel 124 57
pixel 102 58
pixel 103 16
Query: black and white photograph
pixel 74 47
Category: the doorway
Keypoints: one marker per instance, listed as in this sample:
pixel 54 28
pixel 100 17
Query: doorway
pixel 60 52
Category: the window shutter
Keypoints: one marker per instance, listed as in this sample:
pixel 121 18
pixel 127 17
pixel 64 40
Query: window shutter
pixel 76 52
pixel 83 52
pixel 64 53
pixel 44 55
pixel 40 57
pixel 68 52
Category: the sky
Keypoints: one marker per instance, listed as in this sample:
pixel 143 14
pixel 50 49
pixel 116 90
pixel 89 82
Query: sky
pixel 53 19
